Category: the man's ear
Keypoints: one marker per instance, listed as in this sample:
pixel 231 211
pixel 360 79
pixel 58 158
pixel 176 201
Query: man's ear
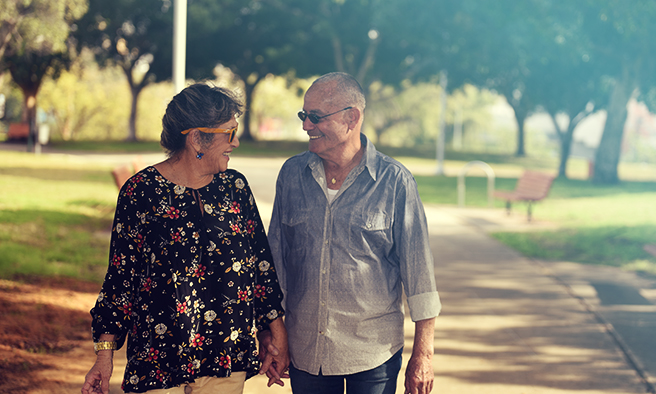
pixel 353 117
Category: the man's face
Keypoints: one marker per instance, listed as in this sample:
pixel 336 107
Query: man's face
pixel 329 136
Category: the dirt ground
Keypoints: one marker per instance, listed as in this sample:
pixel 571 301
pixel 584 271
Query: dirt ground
pixel 45 337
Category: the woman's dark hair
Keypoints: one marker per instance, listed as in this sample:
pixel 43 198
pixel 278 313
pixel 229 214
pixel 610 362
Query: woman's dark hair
pixel 198 105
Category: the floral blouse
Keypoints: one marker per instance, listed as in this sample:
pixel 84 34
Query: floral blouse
pixel 190 280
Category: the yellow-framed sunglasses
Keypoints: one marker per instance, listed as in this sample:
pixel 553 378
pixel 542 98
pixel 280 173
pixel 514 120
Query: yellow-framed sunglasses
pixel 232 131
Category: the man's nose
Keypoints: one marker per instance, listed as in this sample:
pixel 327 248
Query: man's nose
pixel 308 125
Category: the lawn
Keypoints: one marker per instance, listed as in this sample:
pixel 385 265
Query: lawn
pixel 55 214
pixel 604 225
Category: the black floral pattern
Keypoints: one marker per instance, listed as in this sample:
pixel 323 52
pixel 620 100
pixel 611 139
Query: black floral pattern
pixel 190 280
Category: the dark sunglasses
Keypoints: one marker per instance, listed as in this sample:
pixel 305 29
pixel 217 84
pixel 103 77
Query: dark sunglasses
pixel 316 119
pixel 231 131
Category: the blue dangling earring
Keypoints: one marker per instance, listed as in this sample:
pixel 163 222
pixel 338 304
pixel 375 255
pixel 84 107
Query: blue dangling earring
pixel 200 155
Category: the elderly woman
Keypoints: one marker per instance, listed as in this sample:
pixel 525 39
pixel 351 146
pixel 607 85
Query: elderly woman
pixel 190 281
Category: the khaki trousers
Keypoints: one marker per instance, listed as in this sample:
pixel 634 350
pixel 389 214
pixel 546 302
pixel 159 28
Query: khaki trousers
pixel 234 384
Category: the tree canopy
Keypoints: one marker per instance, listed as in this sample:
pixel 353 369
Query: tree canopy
pixel 565 58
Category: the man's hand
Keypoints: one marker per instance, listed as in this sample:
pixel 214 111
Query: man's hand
pixel 97 380
pixel 273 353
pixel 419 374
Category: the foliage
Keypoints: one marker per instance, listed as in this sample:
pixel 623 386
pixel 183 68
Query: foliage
pixel 87 103
pixel 254 39
pixel 78 100
pixel 137 36
pixel 38 44
pixel 274 108
pixel 37 25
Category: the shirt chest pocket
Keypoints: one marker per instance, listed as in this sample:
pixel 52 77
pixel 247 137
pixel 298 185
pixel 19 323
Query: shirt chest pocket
pixel 370 232
pixel 296 225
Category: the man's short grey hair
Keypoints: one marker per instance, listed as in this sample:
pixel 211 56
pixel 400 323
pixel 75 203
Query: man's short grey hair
pixel 346 88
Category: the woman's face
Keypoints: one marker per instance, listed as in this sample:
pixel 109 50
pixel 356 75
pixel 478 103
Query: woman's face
pixel 218 152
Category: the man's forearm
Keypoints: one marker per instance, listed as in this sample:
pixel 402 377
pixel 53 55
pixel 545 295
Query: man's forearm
pixel 424 335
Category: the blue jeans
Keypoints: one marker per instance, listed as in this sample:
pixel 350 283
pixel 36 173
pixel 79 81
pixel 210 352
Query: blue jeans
pixel 380 380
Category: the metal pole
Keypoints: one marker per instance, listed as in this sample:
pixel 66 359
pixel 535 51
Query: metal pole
pixel 179 44
pixel 440 137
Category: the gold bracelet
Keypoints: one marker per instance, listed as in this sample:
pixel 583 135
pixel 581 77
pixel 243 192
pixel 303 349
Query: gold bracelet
pixel 104 345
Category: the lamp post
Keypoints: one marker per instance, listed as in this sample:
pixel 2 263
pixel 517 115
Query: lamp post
pixel 441 137
pixel 179 44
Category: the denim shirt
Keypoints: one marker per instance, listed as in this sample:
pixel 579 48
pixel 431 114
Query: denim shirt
pixel 343 265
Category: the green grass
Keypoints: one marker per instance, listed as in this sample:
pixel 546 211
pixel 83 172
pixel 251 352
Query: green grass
pixel 597 224
pixel 55 216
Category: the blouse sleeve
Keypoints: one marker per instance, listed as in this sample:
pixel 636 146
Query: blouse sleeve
pixel 113 310
pixel 267 293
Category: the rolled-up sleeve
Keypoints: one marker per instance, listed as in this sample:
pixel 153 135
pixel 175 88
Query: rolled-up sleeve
pixel 413 252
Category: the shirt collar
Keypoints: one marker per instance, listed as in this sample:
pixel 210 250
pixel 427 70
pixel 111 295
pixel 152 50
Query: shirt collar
pixel 368 158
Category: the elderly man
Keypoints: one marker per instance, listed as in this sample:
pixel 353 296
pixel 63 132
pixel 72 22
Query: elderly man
pixel 348 234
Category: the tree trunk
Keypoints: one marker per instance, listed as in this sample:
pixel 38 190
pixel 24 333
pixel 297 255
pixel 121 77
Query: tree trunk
pixel 566 137
pixel 565 150
pixel 30 117
pixel 608 153
pixel 247 135
pixel 520 116
pixel 135 90
pixel 132 122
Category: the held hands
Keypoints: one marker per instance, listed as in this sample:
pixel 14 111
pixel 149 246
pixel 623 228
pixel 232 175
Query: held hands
pixel 97 380
pixel 273 353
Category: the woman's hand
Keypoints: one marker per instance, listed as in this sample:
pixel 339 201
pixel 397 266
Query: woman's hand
pixel 97 380
pixel 273 353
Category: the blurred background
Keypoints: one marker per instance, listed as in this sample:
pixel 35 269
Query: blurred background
pixel 539 78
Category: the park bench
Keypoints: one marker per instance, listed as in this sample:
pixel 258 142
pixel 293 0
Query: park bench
pixel 123 172
pixel 18 131
pixel 531 187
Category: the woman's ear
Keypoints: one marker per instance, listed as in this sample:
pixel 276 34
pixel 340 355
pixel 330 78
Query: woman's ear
pixel 194 140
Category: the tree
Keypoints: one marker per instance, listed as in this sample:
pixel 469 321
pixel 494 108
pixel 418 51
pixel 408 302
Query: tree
pixel 621 36
pixel 38 44
pixel 500 51
pixel 253 40
pixel 136 35
pixel 565 80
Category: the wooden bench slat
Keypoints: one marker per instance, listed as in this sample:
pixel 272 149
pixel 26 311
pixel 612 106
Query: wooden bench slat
pixel 121 174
